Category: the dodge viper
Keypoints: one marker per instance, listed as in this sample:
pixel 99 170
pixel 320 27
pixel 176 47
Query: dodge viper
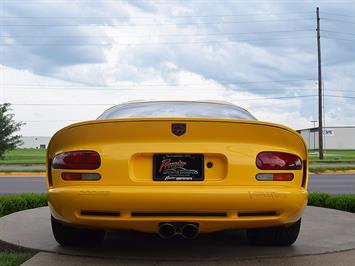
pixel 177 168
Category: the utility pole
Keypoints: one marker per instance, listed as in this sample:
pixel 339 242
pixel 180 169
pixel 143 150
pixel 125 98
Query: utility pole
pixel 320 109
pixel 314 134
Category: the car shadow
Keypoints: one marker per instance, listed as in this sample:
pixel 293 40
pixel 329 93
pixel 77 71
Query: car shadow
pixel 144 246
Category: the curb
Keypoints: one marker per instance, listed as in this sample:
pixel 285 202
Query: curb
pixel 7 174
pixel 345 172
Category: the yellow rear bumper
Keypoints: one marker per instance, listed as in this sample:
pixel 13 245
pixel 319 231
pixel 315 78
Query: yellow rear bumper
pixel 144 208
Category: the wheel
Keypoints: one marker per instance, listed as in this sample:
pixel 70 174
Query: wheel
pixel 274 236
pixel 71 236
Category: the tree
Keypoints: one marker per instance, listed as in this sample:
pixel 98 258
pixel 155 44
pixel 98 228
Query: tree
pixel 8 141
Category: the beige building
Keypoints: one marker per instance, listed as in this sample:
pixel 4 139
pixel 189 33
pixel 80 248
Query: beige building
pixel 340 138
pixel 37 142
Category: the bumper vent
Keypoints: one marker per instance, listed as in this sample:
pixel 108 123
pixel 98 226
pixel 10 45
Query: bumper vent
pixel 255 214
pixel 178 214
pixel 100 213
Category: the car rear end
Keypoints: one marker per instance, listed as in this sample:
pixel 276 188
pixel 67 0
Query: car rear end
pixel 142 173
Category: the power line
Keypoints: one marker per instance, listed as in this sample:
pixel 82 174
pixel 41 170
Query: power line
pixel 337 14
pixel 340 90
pixel 340 96
pixel 111 104
pixel 158 1
pixel 338 32
pixel 266 104
pixel 158 24
pixel 158 35
pixel 335 38
pixel 62 104
pixel 190 88
pixel 163 84
pixel 171 16
pixel 338 20
pixel 104 89
pixel 168 88
pixel 155 43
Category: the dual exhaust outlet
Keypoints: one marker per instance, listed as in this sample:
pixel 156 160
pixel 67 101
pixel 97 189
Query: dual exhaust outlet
pixel 168 230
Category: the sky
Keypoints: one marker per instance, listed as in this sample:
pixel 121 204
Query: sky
pixel 64 61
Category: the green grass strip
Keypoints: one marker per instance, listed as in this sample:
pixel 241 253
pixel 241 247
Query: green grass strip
pixel 333 156
pixel 320 168
pixel 14 258
pixel 22 170
pixel 24 156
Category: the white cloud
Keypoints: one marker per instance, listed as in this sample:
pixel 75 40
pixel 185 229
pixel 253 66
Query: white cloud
pixel 176 50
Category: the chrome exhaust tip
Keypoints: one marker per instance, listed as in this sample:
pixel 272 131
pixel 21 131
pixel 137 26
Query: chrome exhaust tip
pixel 167 230
pixel 189 231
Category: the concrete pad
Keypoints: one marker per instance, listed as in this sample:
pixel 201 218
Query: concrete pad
pixel 323 231
pixel 338 258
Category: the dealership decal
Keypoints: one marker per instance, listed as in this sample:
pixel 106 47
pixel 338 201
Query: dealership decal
pixel 168 164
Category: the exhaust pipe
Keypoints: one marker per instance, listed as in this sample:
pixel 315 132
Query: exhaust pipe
pixel 189 231
pixel 167 230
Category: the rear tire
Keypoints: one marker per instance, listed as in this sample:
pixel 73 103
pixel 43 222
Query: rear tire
pixel 274 236
pixel 70 236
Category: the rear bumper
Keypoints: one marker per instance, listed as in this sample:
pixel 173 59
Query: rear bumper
pixel 144 208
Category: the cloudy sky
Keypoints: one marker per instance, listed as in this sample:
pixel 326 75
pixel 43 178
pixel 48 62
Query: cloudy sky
pixel 63 61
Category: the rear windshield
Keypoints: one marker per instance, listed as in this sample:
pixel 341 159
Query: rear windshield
pixel 176 109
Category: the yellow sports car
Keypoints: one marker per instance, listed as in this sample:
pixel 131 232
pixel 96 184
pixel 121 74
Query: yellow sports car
pixel 177 168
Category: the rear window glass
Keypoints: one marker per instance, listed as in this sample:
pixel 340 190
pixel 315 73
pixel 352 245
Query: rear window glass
pixel 176 109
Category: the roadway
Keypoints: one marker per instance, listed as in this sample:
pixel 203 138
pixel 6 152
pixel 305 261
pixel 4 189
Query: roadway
pixel 22 184
pixel 330 183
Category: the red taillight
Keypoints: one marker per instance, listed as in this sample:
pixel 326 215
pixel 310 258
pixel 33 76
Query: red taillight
pixel 283 177
pixel 278 161
pixel 77 160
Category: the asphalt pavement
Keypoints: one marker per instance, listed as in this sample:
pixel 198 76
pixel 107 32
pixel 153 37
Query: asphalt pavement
pixel 330 183
pixel 22 184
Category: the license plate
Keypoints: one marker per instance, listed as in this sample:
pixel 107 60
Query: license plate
pixel 178 167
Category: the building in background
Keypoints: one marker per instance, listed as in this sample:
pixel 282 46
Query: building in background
pixel 37 142
pixel 339 138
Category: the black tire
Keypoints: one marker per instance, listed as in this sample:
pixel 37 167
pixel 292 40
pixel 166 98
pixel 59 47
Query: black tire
pixel 274 236
pixel 70 236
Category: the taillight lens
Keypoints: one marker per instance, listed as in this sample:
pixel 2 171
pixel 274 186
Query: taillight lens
pixel 83 160
pixel 278 161
pixel 81 176
pixel 274 177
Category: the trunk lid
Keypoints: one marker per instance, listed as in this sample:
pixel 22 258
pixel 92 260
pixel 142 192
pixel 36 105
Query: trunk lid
pixel 127 148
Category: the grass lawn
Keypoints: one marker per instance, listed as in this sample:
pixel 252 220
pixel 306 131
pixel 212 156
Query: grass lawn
pixel 320 168
pixel 30 156
pixel 14 258
pixel 333 156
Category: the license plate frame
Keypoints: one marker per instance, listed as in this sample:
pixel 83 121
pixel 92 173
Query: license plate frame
pixel 178 167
